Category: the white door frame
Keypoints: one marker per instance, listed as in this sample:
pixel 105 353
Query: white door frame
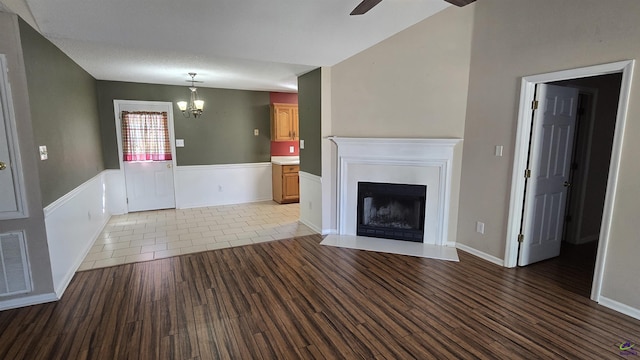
pixel 159 106
pixel 14 162
pixel 525 115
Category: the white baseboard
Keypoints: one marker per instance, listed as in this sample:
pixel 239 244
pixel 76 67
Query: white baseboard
pixel 28 301
pixel 480 254
pixel 588 239
pixel 215 185
pixel 620 307
pixel 311 226
pixel 73 222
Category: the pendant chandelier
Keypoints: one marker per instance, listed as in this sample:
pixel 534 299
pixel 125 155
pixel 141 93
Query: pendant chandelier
pixel 195 106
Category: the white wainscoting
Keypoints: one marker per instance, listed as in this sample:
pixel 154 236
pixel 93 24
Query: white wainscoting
pixel 116 192
pixel 311 201
pixel 214 185
pixel 73 223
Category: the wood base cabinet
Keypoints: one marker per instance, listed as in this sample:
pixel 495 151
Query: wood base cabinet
pixel 286 183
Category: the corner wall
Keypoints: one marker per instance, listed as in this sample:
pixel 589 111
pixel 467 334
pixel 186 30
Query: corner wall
pixel 411 85
pixel 512 39
pixel 64 112
pixel 33 225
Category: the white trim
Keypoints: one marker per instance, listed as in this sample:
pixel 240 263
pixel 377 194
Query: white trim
pixel 73 223
pixel 64 199
pixel 525 114
pixel 167 106
pixel 15 160
pixel 311 201
pixel 480 254
pixel 215 185
pixel 612 180
pixel 222 166
pixel 588 239
pixel 620 307
pixel 28 301
pixel 427 155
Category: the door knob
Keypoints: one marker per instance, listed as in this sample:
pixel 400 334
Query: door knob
pixel 566 184
pixel 2 165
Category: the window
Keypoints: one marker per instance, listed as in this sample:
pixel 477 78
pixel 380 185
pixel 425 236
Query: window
pixel 145 136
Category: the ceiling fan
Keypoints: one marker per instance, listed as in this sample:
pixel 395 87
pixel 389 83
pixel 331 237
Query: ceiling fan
pixel 367 5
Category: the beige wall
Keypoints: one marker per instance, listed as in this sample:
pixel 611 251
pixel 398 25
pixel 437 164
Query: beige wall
pixel 512 39
pixel 413 84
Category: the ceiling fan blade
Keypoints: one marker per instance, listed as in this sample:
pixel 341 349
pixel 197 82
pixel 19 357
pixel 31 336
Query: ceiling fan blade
pixel 460 2
pixel 364 6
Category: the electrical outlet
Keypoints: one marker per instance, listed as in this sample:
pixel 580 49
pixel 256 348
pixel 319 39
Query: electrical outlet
pixel 480 227
pixel 498 150
pixel 292 149
pixel 256 132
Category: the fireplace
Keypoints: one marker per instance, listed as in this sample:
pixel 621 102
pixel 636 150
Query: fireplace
pixel 391 211
pixel 426 162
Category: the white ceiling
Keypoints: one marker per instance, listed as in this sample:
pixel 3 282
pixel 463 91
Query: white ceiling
pixel 237 44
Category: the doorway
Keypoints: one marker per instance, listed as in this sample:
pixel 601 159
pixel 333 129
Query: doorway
pixel 523 138
pixel 146 153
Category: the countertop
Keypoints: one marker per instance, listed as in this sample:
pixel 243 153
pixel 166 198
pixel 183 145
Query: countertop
pixel 285 160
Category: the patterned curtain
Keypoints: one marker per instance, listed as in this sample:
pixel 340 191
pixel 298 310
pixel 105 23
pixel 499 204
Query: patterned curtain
pixel 145 136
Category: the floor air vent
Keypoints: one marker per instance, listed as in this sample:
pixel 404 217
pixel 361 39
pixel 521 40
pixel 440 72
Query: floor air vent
pixel 14 269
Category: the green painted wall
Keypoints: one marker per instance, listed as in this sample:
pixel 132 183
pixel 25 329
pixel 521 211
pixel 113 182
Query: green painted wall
pixel 222 135
pixel 309 111
pixel 64 115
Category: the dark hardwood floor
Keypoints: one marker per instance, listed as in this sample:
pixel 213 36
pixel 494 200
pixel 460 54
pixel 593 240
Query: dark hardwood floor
pixel 295 299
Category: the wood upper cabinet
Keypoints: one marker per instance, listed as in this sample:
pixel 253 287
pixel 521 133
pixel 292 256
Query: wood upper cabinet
pixel 284 122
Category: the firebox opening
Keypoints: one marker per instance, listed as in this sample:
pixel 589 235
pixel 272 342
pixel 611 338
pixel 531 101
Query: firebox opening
pixel 391 211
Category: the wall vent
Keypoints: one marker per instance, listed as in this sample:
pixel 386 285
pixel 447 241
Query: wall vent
pixel 14 269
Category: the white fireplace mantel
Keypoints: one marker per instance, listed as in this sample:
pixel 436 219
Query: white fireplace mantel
pixel 396 160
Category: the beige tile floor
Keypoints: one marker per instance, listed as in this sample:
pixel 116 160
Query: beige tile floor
pixel 151 235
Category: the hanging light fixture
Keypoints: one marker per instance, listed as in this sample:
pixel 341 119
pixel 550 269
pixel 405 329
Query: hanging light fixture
pixel 195 106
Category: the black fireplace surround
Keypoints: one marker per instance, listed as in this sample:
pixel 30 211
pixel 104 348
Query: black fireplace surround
pixel 391 211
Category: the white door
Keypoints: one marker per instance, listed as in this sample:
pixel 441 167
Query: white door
pixel 550 161
pixel 11 194
pixel 149 183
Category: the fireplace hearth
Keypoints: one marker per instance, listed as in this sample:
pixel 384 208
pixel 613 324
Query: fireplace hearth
pixel 391 211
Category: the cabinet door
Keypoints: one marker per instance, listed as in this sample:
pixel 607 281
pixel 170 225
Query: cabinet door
pixel 282 119
pixel 295 124
pixel 284 122
pixel 290 186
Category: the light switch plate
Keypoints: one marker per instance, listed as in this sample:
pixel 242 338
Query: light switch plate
pixel 256 132
pixel 179 142
pixel 498 150
pixel 301 144
pixel 44 155
pixel 292 149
